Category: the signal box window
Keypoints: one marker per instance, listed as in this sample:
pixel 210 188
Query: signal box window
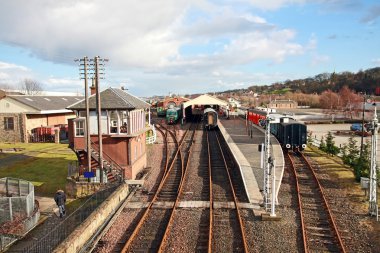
pixel 79 128
pixel 8 123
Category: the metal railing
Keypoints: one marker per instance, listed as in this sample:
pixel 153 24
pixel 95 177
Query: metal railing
pixel 61 231
pixel 114 166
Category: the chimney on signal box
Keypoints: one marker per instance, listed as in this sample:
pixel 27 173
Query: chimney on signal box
pixel 92 88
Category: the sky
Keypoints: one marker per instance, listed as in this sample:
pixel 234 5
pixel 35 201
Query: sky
pixel 157 47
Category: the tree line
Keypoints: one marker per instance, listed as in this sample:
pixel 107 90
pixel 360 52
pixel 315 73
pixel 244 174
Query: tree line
pixel 363 81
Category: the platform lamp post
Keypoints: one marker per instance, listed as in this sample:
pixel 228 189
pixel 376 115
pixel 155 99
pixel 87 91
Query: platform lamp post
pixel 373 207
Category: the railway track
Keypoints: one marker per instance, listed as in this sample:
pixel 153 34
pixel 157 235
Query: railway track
pixel 206 220
pixel 319 231
pixel 152 229
pixel 227 230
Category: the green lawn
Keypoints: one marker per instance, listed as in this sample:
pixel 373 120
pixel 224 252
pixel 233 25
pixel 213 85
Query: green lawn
pixel 45 164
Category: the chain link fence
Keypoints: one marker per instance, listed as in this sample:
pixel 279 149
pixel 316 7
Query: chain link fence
pixel 16 199
pixel 18 209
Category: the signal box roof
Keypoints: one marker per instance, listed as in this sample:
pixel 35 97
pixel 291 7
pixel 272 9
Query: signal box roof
pixel 112 98
pixel 205 100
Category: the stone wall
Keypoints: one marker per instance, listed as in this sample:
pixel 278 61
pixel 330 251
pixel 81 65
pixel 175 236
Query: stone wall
pixel 86 230
pixel 18 133
pixel 76 189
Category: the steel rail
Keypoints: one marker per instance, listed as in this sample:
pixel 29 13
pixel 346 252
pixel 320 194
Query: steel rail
pixel 176 203
pixel 242 230
pixel 147 210
pixel 331 217
pixel 304 238
pixel 209 250
pixel 241 226
pixel 166 148
pixel 326 206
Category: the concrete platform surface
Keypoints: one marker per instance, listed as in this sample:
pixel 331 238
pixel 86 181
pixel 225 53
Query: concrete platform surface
pixel 243 141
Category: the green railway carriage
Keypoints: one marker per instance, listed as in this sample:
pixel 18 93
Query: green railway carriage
pixel 161 112
pixel 173 115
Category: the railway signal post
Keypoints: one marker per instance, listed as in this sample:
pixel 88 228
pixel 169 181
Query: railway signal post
pixel 373 207
pixel 269 168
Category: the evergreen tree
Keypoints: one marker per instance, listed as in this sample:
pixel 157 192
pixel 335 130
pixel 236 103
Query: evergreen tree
pixel 330 145
pixel 322 145
pixel 350 152
pixel 362 164
pixel 309 138
pixel 345 154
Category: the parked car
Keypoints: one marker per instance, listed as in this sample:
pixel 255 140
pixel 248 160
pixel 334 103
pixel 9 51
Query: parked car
pixel 357 127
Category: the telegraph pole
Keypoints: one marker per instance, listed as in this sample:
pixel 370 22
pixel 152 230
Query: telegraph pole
pixel 99 114
pixel 84 63
pixel 373 207
pixel 98 75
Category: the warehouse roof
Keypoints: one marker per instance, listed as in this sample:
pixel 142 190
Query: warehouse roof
pixel 46 103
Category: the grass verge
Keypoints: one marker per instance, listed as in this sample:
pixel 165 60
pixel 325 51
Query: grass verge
pixel 42 163
pixel 344 177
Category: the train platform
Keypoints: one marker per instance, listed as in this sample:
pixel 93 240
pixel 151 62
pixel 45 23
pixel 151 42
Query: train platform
pixel 243 141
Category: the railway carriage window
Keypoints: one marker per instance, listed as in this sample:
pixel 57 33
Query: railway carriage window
pixel 79 128
pixel 8 123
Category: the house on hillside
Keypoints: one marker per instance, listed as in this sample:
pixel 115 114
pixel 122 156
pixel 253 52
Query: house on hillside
pixel 283 104
pixel 234 103
pixel 20 114
pixel 123 124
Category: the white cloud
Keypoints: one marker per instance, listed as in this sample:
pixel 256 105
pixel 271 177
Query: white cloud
pixel 133 33
pixel 11 74
pixel 11 66
pixel 376 62
pixel 63 84
pixel 144 39
pixel 274 45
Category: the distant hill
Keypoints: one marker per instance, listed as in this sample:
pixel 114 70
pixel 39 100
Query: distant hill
pixel 363 81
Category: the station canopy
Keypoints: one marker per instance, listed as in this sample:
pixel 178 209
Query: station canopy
pixel 205 100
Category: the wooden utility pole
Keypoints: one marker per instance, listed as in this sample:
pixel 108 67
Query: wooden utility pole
pixel 99 113
pixel 88 134
pixel 83 75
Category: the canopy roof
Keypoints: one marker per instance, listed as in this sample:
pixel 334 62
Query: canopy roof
pixel 205 100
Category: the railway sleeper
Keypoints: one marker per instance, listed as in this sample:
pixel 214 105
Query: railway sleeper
pixel 323 249
pixel 321 235
pixel 317 228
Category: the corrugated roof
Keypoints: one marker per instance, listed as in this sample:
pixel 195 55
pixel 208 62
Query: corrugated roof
pixel 112 98
pixel 46 103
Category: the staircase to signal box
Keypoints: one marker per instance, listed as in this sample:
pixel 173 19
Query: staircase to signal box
pixel 114 172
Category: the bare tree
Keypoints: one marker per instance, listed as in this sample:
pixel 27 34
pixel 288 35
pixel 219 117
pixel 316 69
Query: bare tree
pixel 329 101
pixel 349 99
pixel 30 87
